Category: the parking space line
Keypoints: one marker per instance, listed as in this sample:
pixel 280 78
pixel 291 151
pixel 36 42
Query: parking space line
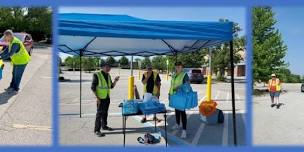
pixel 198 134
pixel 225 130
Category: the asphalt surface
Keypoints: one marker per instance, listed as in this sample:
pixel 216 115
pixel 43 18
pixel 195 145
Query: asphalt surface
pixel 79 131
pixel 284 126
pixel 25 118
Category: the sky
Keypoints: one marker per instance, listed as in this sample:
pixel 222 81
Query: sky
pixel 290 22
pixel 235 14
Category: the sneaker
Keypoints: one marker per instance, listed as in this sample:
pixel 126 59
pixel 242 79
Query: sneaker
pixel 175 127
pixel 156 119
pixel 184 134
pixel 9 89
pixel 107 128
pixel 99 134
pixel 272 105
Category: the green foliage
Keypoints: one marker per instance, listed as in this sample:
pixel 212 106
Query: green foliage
pixel 159 62
pixel 35 21
pixel 124 61
pixel 269 48
pixel 146 61
pixel 88 63
pixel 110 60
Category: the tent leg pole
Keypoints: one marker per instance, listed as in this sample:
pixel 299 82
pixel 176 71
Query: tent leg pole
pixel 233 93
pixel 131 65
pixel 80 88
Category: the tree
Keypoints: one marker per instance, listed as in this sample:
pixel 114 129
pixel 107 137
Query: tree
pixel 34 20
pixel 221 53
pixel 159 62
pixel 146 61
pixel 110 60
pixel 124 61
pixel 268 46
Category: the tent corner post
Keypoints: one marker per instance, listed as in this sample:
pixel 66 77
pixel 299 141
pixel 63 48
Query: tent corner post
pixel 80 83
pixel 233 92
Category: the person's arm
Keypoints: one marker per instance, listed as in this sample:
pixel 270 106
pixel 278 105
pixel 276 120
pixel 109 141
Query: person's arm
pixel 158 84
pixel 7 54
pixel 147 76
pixel 186 79
pixel 115 81
pixel 94 85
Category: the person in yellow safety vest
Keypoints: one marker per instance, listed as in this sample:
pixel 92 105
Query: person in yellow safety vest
pixel 274 88
pixel 19 56
pixel 101 86
pixel 151 82
pixel 178 79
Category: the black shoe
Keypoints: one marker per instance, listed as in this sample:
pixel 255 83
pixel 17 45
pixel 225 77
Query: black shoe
pixel 99 134
pixel 156 119
pixel 272 105
pixel 143 120
pixel 107 128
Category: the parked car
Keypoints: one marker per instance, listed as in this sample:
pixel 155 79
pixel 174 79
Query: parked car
pixel 195 75
pixel 25 38
pixel 302 87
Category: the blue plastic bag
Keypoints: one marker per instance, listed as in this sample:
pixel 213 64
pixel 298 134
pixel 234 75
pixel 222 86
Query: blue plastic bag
pixel 129 107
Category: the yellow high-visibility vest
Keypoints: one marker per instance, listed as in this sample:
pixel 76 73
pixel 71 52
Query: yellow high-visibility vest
pixel 155 88
pixel 176 80
pixel 22 56
pixel 103 87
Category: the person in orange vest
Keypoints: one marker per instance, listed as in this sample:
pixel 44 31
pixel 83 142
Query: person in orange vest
pixel 274 88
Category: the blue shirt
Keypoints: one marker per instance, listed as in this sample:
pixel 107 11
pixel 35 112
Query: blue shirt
pixel 7 54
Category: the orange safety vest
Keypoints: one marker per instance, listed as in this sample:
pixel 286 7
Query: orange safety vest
pixel 274 84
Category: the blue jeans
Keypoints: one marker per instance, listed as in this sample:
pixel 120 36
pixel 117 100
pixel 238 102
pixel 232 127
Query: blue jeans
pixel 17 75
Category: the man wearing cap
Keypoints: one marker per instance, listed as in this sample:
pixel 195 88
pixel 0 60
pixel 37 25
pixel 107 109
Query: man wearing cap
pixel 101 86
pixel 274 88
pixel 151 82
pixel 19 56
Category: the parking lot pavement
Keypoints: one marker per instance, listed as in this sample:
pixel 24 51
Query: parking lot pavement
pixel 73 130
pixel 284 126
pixel 25 118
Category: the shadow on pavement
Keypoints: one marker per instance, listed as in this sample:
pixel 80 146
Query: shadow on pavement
pixel 76 81
pixel 198 133
pixel 5 96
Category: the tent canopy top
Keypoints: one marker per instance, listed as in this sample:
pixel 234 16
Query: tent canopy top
pixel 117 35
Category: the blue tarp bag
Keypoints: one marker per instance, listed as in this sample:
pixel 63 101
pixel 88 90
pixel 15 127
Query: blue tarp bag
pixel 151 107
pixel 178 101
pixel 192 100
pixel 184 98
pixel 129 107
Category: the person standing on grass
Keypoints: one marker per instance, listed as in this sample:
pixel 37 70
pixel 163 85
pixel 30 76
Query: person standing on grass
pixel 101 86
pixel 178 79
pixel 151 82
pixel 274 88
pixel 19 56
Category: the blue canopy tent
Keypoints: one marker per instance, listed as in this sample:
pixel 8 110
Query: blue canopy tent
pixel 122 35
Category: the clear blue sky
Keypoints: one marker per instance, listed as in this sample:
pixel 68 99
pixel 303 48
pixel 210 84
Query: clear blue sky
pixel 290 22
pixel 235 14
